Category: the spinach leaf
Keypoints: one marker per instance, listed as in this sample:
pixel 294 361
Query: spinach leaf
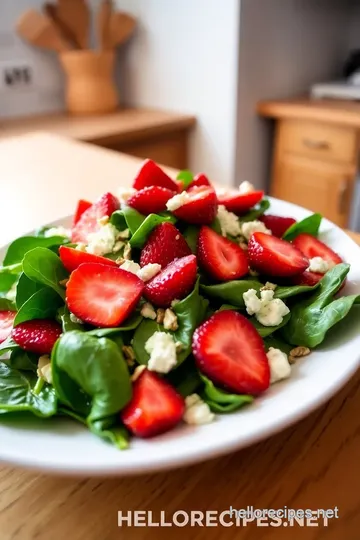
pixel 67 325
pixel 130 324
pixel 8 345
pixel 265 331
pixel 22 245
pixel 191 235
pixel 186 177
pixel 312 317
pixel 221 401
pixel 309 225
pixel 7 305
pixel 127 218
pixel 257 211
pixel 11 270
pixel 41 305
pixel 231 292
pixel 7 281
pixel 18 392
pixel 215 226
pixel 293 290
pixel 151 221
pixel 23 360
pixel 90 375
pixel 25 288
pixel 142 333
pixel 185 378
pixel 277 343
pixel 110 429
pixel 43 266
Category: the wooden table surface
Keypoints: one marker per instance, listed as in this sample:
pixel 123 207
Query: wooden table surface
pixel 314 464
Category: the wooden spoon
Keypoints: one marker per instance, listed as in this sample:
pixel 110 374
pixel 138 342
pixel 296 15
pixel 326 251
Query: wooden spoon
pixel 51 11
pixel 122 26
pixel 39 30
pixel 103 18
pixel 75 15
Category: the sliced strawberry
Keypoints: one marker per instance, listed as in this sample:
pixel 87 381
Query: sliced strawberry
pixel 312 247
pixel 155 406
pixel 240 203
pixel 37 336
pixel 72 258
pixel 199 180
pixel 307 278
pixel 102 295
pixel 174 282
pixel 6 324
pixel 229 350
pixel 278 225
pixel 275 257
pixel 150 174
pixel 201 208
pixel 88 223
pixel 164 244
pixel 150 200
pixel 219 257
pixel 82 206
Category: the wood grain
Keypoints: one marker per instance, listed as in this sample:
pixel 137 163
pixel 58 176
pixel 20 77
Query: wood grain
pixel 314 464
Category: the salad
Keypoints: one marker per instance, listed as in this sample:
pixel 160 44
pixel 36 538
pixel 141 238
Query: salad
pixel 170 302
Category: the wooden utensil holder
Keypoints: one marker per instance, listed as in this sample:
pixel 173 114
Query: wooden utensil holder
pixel 90 86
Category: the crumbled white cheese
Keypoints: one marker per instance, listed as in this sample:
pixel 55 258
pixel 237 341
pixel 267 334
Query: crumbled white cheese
pixel 269 311
pixel 124 194
pixel 127 252
pixel 44 368
pixel 130 266
pixel 148 312
pixel 58 231
pixel 318 264
pixel 149 271
pixel 74 319
pixel 119 244
pixel 229 222
pixel 246 187
pixel 197 411
pixel 279 365
pixel 162 350
pixel 102 241
pixel 178 200
pixel 250 227
pixel 170 320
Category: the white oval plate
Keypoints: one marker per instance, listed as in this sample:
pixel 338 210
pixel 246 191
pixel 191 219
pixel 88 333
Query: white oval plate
pixel 62 446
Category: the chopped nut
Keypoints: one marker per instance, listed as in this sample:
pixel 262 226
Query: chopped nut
pixel 170 320
pixel 81 246
pixel 174 302
pixel 120 260
pixel 160 314
pixel 138 371
pixel 148 312
pixel 243 245
pixel 299 352
pixel 103 220
pixel 64 282
pixel 127 252
pixel 253 273
pixel 124 234
pixel 179 346
pixel 118 245
pixel 268 286
pixel 129 354
pixel 44 368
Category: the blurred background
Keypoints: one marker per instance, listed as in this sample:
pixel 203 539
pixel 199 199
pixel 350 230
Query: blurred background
pixel 257 90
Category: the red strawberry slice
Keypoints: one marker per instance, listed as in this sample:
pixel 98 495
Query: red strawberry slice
pixel 164 244
pixel 72 258
pixel 307 278
pixel 312 247
pixel 150 174
pixel 275 257
pixel 278 225
pixel 150 200
pixel 219 257
pixel 6 324
pixel 199 180
pixel 155 406
pixel 37 336
pixel 88 222
pixel 82 206
pixel 240 203
pixel 174 282
pixel 229 351
pixel 201 208
pixel 102 295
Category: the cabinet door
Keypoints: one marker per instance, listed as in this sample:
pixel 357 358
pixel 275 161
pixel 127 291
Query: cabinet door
pixel 314 185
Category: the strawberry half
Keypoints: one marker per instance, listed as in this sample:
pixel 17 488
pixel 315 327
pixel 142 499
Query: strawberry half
pixel 240 203
pixel 72 258
pixel 150 200
pixel 37 336
pixel 155 406
pixel 219 257
pixel 312 247
pixel 199 180
pixel 6 324
pixel 88 222
pixel 278 225
pixel 103 295
pixel 174 282
pixel 201 208
pixel 82 206
pixel 307 278
pixel 275 257
pixel 150 174
pixel 229 350
pixel 164 244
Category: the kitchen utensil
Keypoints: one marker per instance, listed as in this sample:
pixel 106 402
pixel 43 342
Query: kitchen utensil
pixel 39 30
pixel 103 18
pixel 75 15
pixel 51 11
pixel 122 26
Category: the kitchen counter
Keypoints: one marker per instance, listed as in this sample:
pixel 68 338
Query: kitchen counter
pixel 314 464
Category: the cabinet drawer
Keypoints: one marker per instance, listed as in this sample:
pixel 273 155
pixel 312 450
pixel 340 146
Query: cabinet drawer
pixel 320 141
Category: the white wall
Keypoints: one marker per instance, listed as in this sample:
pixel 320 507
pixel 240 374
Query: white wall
pixel 184 58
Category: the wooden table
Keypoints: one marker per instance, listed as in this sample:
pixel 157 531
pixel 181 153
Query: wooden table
pixel 314 464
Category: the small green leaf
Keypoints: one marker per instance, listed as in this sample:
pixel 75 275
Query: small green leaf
pixel 8 345
pixel 186 177
pixel 257 211
pixel 127 218
pixel 185 378
pixel 22 245
pixel 43 304
pixel 309 225
pixel 151 221
pixel 191 235
pixel 231 292
pixel 221 401
pixel 66 323
pixel 265 331
pixel 130 324
pixel 43 266
pixel 7 305
pixel 25 288
pixel 22 360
